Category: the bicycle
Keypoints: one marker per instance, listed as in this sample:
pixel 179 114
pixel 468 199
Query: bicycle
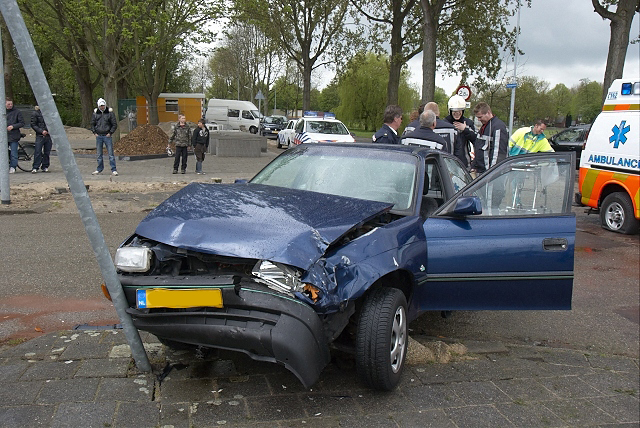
pixel 26 152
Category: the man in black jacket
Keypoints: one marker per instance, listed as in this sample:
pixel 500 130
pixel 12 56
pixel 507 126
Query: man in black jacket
pixel 103 125
pixel 43 142
pixel 463 143
pixel 388 134
pixel 200 141
pixel 14 123
pixel 425 136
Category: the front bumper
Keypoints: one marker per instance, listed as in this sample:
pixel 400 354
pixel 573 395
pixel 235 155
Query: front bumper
pixel 264 324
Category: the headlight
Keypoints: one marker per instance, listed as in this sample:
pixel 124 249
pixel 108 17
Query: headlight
pixel 133 259
pixel 278 276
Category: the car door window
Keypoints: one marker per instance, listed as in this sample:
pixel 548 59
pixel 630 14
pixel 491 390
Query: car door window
pixel 300 126
pixel 233 113
pixel 459 176
pixel 247 115
pixel 528 185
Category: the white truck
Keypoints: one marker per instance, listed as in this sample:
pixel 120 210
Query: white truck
pixel 233 114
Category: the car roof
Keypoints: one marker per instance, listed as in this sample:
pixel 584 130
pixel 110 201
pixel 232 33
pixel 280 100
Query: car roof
pixel 419 151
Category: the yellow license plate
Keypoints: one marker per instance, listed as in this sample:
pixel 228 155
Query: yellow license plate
pixel 165 298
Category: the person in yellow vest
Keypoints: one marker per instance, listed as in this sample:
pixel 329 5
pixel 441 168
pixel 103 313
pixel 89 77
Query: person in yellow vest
pixel 530 139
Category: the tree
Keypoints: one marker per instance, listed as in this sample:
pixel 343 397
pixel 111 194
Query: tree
pixel 533 101
pixel 587 101
pixel 562 102
pixel 306 30
pixel 464 36
pixel 361 88
pixel 621 21
pixel 401 28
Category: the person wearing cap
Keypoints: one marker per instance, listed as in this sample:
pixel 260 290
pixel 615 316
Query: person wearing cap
pixel 103 125
pixel 463 143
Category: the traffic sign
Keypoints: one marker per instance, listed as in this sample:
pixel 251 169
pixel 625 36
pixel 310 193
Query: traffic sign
pixel 512 85
pixel 259 96
pixel 464 91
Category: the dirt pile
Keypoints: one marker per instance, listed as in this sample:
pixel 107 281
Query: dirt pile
pixel 143 140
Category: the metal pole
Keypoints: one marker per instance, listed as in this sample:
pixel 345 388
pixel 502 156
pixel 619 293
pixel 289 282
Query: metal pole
pixel 515 66
pixel 33 69
pixel 5 192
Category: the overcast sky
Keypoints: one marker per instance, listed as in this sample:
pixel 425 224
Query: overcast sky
pixel 563 42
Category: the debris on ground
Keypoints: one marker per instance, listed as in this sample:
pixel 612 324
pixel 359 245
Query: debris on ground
pixel 143 140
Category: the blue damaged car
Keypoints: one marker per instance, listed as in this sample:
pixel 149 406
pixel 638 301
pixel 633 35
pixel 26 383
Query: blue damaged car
pixel 342 245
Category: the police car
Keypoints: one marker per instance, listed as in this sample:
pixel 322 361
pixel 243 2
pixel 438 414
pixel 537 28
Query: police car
pixel 317 127
pixel 610 161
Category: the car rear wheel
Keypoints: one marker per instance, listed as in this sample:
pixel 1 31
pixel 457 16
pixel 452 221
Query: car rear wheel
pixel 381 339
pixel 616 214
pixel 279 142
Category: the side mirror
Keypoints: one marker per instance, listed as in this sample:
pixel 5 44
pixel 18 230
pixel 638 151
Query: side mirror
pixel 468 205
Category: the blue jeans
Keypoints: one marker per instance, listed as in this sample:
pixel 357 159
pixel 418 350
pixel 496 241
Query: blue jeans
pixel 43 149
pixel 13 158
pixel 100 140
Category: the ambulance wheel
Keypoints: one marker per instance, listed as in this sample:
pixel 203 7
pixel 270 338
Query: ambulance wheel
pixel 616 214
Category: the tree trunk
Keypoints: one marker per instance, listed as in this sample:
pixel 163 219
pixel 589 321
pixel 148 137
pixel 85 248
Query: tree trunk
pixel 619 42
pixel 395 60
pixel 430 15
pixel 111 96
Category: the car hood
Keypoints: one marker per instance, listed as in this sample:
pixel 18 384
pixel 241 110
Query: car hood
pixel 256 221
pixel 331 138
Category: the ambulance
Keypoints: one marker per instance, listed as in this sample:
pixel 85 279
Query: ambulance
pixel 610 161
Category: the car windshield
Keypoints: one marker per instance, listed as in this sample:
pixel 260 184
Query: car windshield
pixel 326 127
pixel 274 119
pixel 377 175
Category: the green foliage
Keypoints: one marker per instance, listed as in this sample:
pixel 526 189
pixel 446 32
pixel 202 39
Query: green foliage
pixel 533 101
pixel 588 100
pixel 329 98
pixel 362 91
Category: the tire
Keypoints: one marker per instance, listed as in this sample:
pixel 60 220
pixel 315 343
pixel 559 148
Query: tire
pixel 25 156
pixel 381 339
pixel 279 143
pixel 253 130
pixel 616 214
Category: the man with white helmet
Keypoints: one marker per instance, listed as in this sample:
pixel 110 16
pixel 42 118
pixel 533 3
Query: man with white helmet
pixel 463 143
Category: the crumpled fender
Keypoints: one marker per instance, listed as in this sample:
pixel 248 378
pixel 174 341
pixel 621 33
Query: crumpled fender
pixel 346 273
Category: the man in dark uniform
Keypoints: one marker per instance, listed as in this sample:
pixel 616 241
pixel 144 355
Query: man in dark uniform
pixel 425 136
pixel 443 128
pixel 462 145
pixel 388 134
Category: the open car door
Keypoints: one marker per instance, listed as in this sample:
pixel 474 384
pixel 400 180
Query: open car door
pixel 505 241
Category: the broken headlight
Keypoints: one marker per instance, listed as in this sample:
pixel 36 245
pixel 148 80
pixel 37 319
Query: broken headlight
pixel 133 259
pixel 278 276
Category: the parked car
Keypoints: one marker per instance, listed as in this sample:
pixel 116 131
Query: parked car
pixel 270 126
pixel 285 136
pixel 344 244
pixel 572 139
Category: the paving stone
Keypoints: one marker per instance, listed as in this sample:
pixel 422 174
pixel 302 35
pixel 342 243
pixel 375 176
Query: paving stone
pixel 335 378
pixel 612 383
pixel 619 364
pixel 187 391
pixel 477 393
pixel 328 403
pixel 432 396
pixel 579 412
pixel 37 348
pixel 219 412
pixel 565 358
pixel 623 407
pixel 126 389
pixel 26 416
pixel 68 390
pixel 524 390
pixel 92 415
pixel 477 417
pixel 17 393
pixel 275 407
pixel 12 372
pixel 246 386
pixel 136 415
pixel 529 414
pixel 108 367
pixel 284 383
pixel 479 370
pixel 569 387
pixel 425 419
pixel 440 373
pixel 51 370
pixel 376 420
pixel 79 349
pixel 175 415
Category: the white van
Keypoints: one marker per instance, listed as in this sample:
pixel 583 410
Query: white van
pixel 233 114
pixel 610 161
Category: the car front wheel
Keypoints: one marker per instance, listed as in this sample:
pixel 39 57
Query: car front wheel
pixel 616 214
pixel 253 130
pixel 381 339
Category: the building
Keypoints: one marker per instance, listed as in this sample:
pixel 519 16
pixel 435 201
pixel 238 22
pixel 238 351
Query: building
pixel 170 105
